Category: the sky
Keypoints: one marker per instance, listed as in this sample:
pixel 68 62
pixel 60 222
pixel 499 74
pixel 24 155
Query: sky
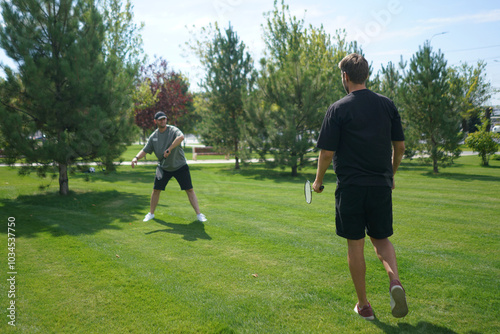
pixel 464 30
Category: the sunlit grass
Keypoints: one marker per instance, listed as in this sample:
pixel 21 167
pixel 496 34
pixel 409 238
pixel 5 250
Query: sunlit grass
pixel 265 262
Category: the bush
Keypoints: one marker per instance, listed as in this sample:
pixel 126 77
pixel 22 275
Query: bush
pixel 484 143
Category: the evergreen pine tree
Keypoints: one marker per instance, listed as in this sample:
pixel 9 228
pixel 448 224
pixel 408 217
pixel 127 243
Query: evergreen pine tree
pixel 430 106
pixel 228 76
pixel 68 100
pixel 298 81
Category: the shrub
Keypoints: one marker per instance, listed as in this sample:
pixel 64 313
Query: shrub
pixel 484 143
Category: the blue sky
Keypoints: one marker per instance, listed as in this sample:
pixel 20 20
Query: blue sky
pixel 386 29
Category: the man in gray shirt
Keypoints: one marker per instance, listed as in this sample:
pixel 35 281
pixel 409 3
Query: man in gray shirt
pixel 165 143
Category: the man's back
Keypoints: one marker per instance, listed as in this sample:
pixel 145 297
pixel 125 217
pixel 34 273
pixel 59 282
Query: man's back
pixel 360 128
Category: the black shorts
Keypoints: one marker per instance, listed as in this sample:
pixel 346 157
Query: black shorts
pixel 182 175
pixel 360 209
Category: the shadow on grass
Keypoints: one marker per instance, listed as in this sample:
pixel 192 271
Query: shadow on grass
pixel 277 175
pixel 422 327
pixel 190 232
pixel 415 165
pixel 75 214
pixel 463 177
pixel 426 170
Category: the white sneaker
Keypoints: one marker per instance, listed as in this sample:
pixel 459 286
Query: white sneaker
pixel 201 217
pixel 148 217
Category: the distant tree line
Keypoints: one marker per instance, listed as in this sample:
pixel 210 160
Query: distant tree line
pixel 277 109
pixel 83 89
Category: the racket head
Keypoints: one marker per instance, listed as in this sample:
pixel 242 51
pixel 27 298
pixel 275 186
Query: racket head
pixel 159 172
pixel 308 191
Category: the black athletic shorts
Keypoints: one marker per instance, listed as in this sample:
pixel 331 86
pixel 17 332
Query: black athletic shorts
pixel 360 209
pixel 182 175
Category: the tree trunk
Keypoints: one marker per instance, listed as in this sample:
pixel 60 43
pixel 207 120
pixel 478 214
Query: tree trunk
pixel 465 125
pixel 487 116
pixel 485 159
pixel 294 163
pixel 236 163
pixel 236 159
pixel 435 165
pixel 63 180
pixel 434 155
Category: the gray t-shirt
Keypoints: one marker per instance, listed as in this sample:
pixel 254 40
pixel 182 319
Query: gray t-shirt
pixel 158 143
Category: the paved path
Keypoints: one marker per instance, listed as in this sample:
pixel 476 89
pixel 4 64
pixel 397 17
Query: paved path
pixel 153 162
pixel 201 162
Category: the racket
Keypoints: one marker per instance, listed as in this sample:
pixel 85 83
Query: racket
pixel 308 190
pixel 159 170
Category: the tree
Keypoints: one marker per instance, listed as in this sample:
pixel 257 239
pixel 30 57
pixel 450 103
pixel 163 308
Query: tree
pixel 483 142
pixel 298 80
pixel 124 43
pixel 123 37
pixel 170 92
pixel 430 106
pixel 472 91
pixel 181 103
pixel 123 50
pixel 68 100
pixel 389 82
pixel 228 69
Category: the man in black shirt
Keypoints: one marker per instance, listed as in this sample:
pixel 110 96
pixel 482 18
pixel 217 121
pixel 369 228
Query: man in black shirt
pixel 362 134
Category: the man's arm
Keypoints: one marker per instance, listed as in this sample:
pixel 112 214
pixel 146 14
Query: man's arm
pixel 324 161
pixel 177 141
pixel 397 156
pixel 139 155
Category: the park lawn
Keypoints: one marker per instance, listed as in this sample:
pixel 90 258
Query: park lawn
pixel 265 262
pixel 132 151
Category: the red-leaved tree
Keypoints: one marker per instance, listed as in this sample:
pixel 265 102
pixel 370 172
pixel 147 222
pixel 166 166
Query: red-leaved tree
pixel 172 95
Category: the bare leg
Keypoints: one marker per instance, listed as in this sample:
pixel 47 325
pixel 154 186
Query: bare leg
pixel 155 197
pixel 193 200
pixel 357 267
pixel 387 255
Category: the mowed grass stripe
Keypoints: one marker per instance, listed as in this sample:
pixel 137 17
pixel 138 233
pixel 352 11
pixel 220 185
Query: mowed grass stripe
pixel 176 275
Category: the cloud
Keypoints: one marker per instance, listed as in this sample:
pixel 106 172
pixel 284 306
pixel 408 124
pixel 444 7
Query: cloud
pixel 483 17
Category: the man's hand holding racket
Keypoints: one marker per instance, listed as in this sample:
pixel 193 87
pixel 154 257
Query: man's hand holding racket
pixel 318 186
pixel 308 189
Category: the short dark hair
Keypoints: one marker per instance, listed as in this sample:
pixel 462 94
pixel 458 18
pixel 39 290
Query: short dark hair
pixel 356 67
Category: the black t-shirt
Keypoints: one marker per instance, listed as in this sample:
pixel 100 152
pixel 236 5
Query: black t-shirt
pixel 360 129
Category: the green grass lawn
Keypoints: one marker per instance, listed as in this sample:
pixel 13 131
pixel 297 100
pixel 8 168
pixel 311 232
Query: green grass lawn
pixel 265 262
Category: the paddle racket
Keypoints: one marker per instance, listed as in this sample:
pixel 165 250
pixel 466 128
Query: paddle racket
pixel 308 190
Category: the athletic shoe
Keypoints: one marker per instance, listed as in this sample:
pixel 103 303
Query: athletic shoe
pixel 399 307
pixel 201 217
pixel 366 312
pixel 148 217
